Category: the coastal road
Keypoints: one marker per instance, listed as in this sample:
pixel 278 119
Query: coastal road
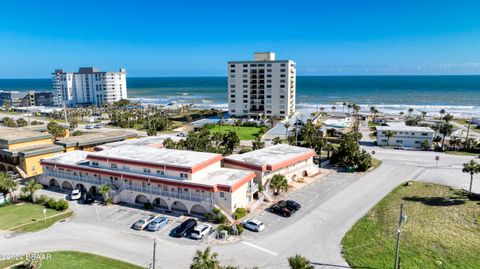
pixel 330 207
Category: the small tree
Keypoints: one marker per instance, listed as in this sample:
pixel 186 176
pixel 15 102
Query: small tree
pixel 258 143
pixel 276 140
pixel 21 122
pixel 9 122
pixel 425 145
pixel 56 130
pixel 104 189
pixel 472 167
pixel 8 184
pixel 299 262
pixel 279 183
pixel 389 134
pixel 30 188
pixel 205 260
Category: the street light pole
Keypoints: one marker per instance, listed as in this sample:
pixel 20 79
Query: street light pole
pixel 154 251
pixel 402 219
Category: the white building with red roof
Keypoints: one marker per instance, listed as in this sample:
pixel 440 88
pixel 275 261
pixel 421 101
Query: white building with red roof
pixel 290 161
pixel 180 180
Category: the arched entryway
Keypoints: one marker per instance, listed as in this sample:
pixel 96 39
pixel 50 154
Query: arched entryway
pixel 160 203
pixel 293 177
pixel 304 173
pixel 53 183
pixel 93 190
pixel 141 199
pixel 198 209
pixel 66 185
pixel 179 206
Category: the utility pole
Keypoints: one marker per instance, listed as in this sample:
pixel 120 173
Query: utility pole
pixel 154 252
pixel 468 130
pixel 401 220
pixel 65 114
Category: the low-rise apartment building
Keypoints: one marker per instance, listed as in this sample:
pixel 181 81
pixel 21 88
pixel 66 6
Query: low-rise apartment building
pixel 187 181
pixel 404 136
pixel 290 161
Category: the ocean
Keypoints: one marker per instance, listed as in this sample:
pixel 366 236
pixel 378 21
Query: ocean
pixel 458 95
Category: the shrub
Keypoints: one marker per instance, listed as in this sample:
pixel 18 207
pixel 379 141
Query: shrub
pixel 77 133
pixel 240 213
pixel 229 228
pixel 42 199
pixel 51 203
pixel 216 216
pixel 61 205
pixel 245 150
pixel 240 229
pixel 250 124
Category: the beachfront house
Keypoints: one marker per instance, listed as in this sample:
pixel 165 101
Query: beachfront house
pixel 404 136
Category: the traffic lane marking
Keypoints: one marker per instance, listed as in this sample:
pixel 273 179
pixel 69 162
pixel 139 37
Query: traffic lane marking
pixel 260 248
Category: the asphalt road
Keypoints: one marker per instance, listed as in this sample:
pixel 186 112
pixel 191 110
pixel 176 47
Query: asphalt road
pixel 330 207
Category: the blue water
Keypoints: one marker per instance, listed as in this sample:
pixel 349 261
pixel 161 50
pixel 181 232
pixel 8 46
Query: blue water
pixel 457 94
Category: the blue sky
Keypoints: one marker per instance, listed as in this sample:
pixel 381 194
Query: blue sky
pixel 197 38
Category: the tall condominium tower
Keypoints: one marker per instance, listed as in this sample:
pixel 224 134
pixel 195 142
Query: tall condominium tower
pixel 89 86
pixel 264 86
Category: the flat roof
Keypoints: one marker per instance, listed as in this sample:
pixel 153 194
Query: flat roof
pixel 404 128
pixel 259 62
pixel 72 157
pixel 95 138
pixel 10 136
pixel 224 176
pixel 271 156
pixel 159 156
pixel 151 141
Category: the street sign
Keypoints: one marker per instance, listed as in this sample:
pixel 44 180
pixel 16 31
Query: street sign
pixel 373 152
pixel 437 158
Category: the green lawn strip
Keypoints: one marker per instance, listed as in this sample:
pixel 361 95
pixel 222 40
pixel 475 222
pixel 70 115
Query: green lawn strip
pixel 16 214
pixel 442 230
pixel 42 224
pixel 464 153
pixel 75 259
pixel 244 133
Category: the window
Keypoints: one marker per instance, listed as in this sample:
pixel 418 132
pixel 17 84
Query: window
pixel 282 70
pixel 424 134
pixel 222 194
pixel 94 163
pixel 146 170
pixel 126 168
pixel 113 166
pixel 282 65
pixel 232 65
pixel 232 70
pixel 161 172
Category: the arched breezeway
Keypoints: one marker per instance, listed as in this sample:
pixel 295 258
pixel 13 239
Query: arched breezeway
pixel 141 199
pixel 198 209
pixel 66 185
pixel 160 203
pixel 53 183
pixel 179 206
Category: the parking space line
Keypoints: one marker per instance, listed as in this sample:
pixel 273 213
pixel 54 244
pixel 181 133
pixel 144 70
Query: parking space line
pixel 122 214
pixel 170 223
pixel 259 248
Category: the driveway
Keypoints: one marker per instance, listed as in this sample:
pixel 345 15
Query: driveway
pixel 329 208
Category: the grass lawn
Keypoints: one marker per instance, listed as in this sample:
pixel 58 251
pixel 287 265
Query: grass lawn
pixel 16 214
pixel 80 260
pixel 244 133
pixel 464 153
pixel 442 230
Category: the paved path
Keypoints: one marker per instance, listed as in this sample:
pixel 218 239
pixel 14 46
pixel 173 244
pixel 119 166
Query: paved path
pixel 330 208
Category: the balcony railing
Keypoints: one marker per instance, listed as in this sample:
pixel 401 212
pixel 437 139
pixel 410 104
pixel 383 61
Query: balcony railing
pixel 171 194
pixel 85 179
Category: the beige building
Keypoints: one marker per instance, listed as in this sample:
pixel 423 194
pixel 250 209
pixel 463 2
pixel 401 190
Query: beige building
pixel 264 86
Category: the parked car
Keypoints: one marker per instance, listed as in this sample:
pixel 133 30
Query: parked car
pixel 253 225
pixel 185 228
pixel 97 126
pixel 292 205
pixel 89 126
pixel 143 223
pixel 76 194
pixel 182 134
pixel 157 223
pixel 89 198
pixel 281 209
pixel 200 231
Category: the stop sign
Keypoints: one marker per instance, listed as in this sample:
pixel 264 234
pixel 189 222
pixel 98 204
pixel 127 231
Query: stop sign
pixel 373 152
pixel 437 158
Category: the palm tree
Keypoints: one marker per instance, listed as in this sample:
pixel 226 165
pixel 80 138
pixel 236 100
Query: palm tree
pixel 401 113
pixel 279 183
pixel 343 106
pixel 372 111
pixel 299 262
pixel 287 125
pixel 447 118
pixel 454 142
pixel 389 134
pixel 472 167
pixel 205 260
pixel 349 106
pixel 442 112
pixel 410 111
pixel 446 129
pixel 30 188
pixel 424 113
pixel 8 184
pixel 333 108
pixel 104 189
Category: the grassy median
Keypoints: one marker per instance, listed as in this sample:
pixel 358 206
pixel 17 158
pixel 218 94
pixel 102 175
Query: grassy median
pixel 13 217
pixel 442 230
pixel 76 260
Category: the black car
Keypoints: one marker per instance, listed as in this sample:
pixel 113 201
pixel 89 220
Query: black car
pixel 185 228
pixel 292 205
pixel 281 209
pixel 89 198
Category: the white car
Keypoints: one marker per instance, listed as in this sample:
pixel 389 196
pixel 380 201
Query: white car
pixel 253 225
pixel 200 231
pixel 98 126
pixel 76 194
pixel 89 126
pixel 182 134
